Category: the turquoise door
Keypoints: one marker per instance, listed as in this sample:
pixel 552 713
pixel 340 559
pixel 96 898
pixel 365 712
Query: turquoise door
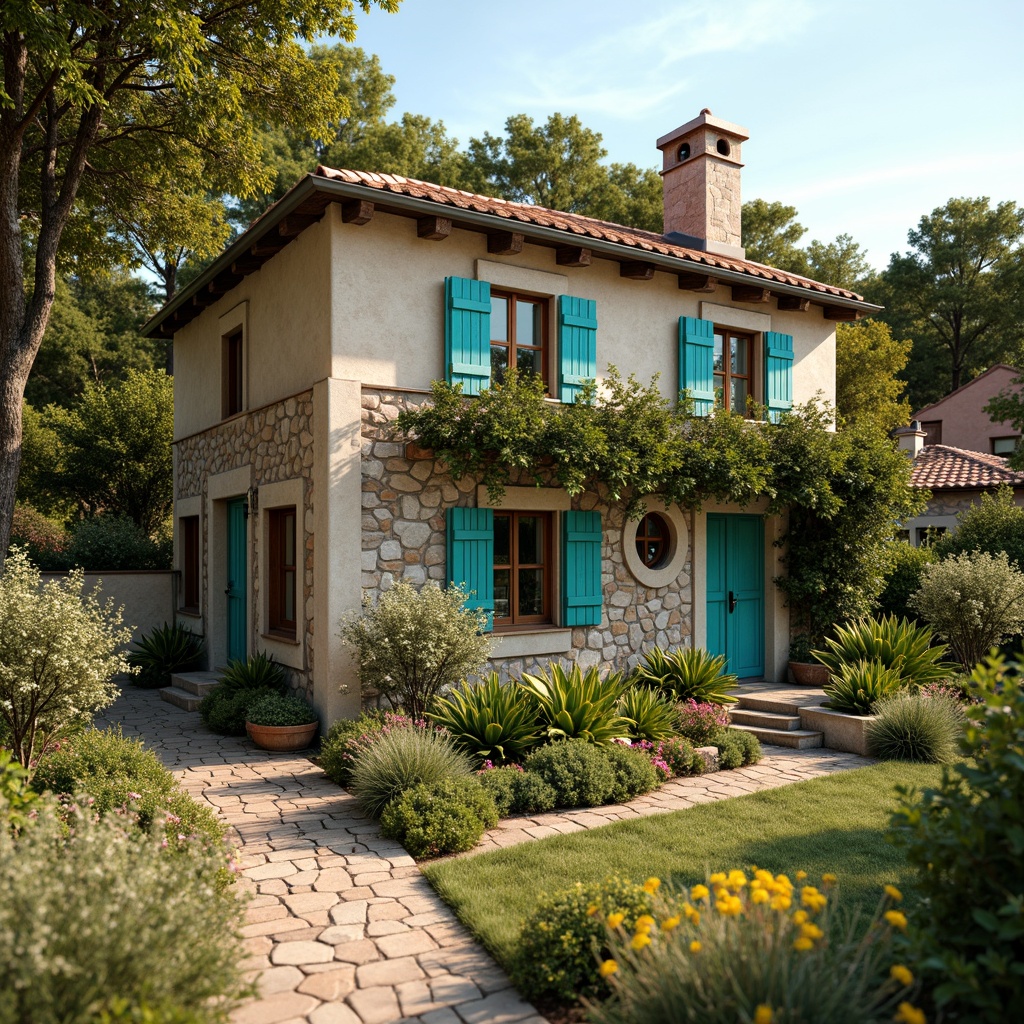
pixel 735 588
pixel 236 589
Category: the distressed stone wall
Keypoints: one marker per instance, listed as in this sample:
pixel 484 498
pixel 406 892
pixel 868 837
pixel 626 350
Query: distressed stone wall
pixel 404 500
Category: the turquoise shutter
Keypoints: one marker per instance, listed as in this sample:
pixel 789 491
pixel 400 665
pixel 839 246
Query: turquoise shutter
pixel 778 374
pixel 471 557
pixel 467 333
pixel 697 362
pixel 581 569
pixel 577 345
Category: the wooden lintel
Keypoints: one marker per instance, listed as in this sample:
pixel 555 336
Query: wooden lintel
pixel 841 313
pixel 433 228
pixel 691 282
pixel 356 211
pixel 793 303
pixel 750 293
pixel 636 270
pixel 572 256
pixel 266 248
pixel 294 224
pixel 505 243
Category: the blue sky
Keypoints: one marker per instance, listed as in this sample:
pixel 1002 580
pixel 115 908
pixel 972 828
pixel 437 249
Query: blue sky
pixel 863 116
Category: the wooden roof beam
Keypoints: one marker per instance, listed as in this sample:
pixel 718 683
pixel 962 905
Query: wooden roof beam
pixel 505 243
pixel 434 229
pixel 636 270
pixel 572 256
pixel 750 293
pixel 691 282
pixel 356 211
pixel 841 313
pixel 793 303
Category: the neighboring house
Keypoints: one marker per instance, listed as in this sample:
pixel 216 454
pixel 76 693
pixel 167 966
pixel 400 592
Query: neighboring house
pixel 295 351
pixel 959 419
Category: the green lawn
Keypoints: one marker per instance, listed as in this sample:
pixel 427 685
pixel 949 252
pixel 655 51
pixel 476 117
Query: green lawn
pixel 836 824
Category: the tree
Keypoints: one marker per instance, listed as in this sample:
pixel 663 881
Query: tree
pixel 770 235
pixel 100 102
pixel 841 263
pixel 868 390
pixel 958 293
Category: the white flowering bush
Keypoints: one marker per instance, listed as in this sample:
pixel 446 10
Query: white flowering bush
pixel 59 649
pixel 413 645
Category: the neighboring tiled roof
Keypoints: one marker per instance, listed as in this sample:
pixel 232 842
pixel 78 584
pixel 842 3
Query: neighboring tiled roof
pixel 940 467
pixel 572 224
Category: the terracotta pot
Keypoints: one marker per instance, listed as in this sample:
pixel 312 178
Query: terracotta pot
pixel 282 737
pixel 808 673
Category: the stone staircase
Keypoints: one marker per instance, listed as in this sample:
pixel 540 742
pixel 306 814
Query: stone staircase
pixel 187 689
pixel 772 714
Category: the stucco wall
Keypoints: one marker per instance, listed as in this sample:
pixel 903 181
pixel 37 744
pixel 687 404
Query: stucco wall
pixel 943 509
pixel 964 423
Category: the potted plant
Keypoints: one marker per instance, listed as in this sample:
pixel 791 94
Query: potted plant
pixel 806 671
pixel 276 722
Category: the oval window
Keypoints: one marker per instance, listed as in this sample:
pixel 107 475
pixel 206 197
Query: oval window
pixel 652 540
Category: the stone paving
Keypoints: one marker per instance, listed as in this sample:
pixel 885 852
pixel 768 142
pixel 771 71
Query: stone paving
pixel 342 927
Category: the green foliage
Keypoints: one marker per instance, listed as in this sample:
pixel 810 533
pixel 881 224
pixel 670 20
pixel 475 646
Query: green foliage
pixel 103 924
pixel 225 709
pixel 516 791
pixel 904 566
pixel 915 727
pixel 401 759
pixel 975 601
pixel 489 721
pixel 701 722
pixel 344 739
pixel 771 233
pixel 257 670
pixel 651 715
pixel 433 819
pixel 557 953
pixel 997 524
pixel 965 838
pixel 688 673
pixel 634 773
pixel 274 709
pixel 412 646
pixel 737 748
pixel 905 647
pixel 17 798
pixel 679 755
pixel 857 685
pixel 165 649
pixel 575 704
pixel 579 772
pixel 107 543
pixel 59 649
pixel 868 389
pixel 43 538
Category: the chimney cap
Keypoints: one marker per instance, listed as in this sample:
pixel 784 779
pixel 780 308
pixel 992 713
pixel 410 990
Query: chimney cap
pixel 705 119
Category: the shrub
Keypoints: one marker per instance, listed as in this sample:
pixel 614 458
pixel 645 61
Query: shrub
pixel 976 601
pixel 412 646
pixel 905 564
pixel 578 771
pixel 436 818
pixel 964 839
pixel 108 543
pixel 575 704
pixel 274 709
pixel 679 755
pixel 737 748
pixel 907 648
pixel 516 791
pixel 689 673
pixel 651 715
pixel 915 727
pixel 258 671
pixel 343 741
pixel 755 950
pixel 500 783
pixel 166 649
pixel 225 710
pixel 43 539
pixel 634 773
pixel 997 524
pixel 489 721
pixel 401 759
pixel 104 925
pixel 17 798
pixel 859 684
pixel 555 956
pixel 59 649
pixel 701 723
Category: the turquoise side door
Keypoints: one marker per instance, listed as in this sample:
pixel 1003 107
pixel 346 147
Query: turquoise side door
pixel 236 590
pixel 735 592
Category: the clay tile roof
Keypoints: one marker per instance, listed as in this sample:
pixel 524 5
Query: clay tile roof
pixel 574 224
pixel 940 467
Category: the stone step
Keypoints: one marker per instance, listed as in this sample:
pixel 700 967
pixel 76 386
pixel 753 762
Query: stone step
pixel 799 739
pixel 181 698
pixel 777 705
pixel 765 719
pixel 199 683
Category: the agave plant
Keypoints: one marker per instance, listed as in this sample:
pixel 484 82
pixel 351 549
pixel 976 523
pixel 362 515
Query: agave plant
pixel 908 649
pixel 651 714
pixel 257 670
pixel 166 649
pixel 489 721
pixel 577 704
pixel 689 673
pixel 859 685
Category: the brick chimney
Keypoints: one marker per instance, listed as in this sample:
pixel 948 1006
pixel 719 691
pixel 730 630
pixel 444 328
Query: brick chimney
pixel 701 184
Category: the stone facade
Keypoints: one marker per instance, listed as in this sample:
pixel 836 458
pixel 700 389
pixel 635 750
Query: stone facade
pixel 403 537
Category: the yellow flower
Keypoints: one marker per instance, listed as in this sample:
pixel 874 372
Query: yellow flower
pixel 670 923
pixel 908 1014
pixel 736 880
pixel 764 877
pixel 780 901
pixel 783 880
pixel 592 910
pixel 810 897
pixel 729 905
pixel 801 875
pixel 893 893
pixel 803 944
pixel 718 878
pixel 614 920
pixel 693 916
pixel 699 892
pixel 759 896
pixel 695 946
pixel 651 885
pixel 809 930
pixel 608 967
pixel 763 1015
pixel 901 974
pixel 799 916
pixel 897 919
pixel 640 940
pixel 644 923
pixel 828 879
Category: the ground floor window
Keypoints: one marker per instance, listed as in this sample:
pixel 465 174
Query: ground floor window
pixel 282 572
pixel 189 534
pixel 522 568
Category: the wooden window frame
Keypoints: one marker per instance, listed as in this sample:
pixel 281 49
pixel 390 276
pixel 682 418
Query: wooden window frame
pixel 1015 438
pixel 516 621
pixel 512 298
pixel 277 572
pixel 233 374
pixel 933 431
pixel 664 542
pixel 190 564
pixel 723 379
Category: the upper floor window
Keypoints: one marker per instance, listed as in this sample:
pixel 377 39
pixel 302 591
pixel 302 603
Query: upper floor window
pixel 932 431
pixel 522 568
pixel 1004 445
pixel 733 369
pixel 518 334
pixel 189 534
pixel 281 616
pixel 233 391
